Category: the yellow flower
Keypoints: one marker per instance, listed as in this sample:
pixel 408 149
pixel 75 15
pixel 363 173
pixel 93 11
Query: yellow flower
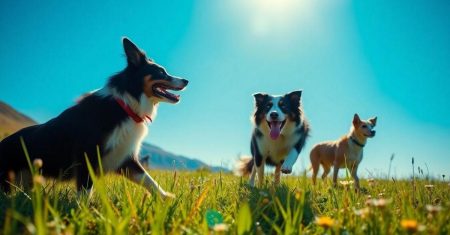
pixel 39 180
pixel 37 163
pixel 324 221
pixel 298 195
pixel 346 182
pixel 265 201
pixel 409 225
pixel 220 228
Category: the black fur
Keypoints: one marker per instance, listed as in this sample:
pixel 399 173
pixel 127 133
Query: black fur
pixel 255 151
pixel 262 106
pixel 63 141
pixel 304 133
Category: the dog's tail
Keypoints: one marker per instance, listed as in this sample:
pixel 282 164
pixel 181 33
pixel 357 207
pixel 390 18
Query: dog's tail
pixel 244 166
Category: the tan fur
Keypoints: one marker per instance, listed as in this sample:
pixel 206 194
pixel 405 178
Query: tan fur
pixel 343 153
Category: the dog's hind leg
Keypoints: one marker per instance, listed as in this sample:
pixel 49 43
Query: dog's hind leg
pixel 315 165
pixel 252 176
pixel 136 173
pixel 326 171
pixel 314 175
pixel 335 174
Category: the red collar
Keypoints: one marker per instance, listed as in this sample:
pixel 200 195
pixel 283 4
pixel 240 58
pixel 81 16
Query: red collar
pixel 130 112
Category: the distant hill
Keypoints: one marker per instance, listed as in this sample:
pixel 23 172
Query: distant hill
pixel 155 157
pixel 12 120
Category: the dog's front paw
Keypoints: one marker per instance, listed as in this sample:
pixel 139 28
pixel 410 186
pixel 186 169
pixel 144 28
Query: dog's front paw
pixel 286 169
pixel 167 195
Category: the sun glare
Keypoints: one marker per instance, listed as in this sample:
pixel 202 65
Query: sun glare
pixel 276 16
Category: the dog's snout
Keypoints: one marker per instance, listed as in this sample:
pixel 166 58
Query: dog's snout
pixel 373 132
pixel 274 115
pixel 185 81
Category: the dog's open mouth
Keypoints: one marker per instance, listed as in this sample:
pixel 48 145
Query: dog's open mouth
pixel 161 91
pixel 275 128
pixel 371 135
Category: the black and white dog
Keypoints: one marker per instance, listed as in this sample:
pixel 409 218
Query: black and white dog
pixel 112 118
pixel 280 133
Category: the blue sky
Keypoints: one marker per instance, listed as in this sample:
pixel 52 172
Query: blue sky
pixel 385 58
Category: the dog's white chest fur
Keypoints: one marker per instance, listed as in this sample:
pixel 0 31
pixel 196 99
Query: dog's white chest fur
pixel 277 149
pixel 355 153
pixel 123 142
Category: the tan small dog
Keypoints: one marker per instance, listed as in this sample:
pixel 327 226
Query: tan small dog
pixel 346 152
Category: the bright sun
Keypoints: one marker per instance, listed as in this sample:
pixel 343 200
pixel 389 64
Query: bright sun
pixel 275 16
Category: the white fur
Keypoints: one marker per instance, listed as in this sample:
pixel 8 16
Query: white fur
pixel 126 139
pixel 290 160
pixel 355 154
pixel 276 108
pixel 149 183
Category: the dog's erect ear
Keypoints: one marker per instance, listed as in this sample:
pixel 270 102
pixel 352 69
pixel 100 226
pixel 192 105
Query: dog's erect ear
pixel 373 121
pixel 134 55
pixel 295 95
pixel 356 120
pixel 259 97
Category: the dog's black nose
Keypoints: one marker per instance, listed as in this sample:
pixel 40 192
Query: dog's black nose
pixel 373 133
pixel 274 115
pixel 185 82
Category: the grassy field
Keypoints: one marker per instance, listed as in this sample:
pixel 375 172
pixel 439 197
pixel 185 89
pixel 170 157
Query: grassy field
pixel 217 203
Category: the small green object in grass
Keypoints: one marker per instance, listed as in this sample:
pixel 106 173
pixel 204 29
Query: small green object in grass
pixel 213 217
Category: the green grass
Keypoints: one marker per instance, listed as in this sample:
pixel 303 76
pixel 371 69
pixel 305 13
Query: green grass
pixel 205 199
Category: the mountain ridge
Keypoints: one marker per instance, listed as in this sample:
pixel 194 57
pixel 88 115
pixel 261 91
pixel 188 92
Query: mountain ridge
pixel 12 120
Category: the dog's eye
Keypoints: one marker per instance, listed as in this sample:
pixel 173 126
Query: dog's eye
pixel 283 106
pixel 364 126
pixel 268 106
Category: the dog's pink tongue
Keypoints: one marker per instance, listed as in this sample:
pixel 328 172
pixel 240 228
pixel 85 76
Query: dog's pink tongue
pixel 275 129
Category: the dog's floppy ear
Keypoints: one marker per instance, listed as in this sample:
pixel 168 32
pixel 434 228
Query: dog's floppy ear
pixel 356 120
pixel 260 97
pixel 134 55
pixel 373 121
pixel 295 95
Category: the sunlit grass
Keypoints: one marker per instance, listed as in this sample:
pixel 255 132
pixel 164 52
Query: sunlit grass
pixel 119 206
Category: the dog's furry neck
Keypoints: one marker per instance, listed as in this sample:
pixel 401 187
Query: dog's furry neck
pixel 143 107
pixel 361 139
